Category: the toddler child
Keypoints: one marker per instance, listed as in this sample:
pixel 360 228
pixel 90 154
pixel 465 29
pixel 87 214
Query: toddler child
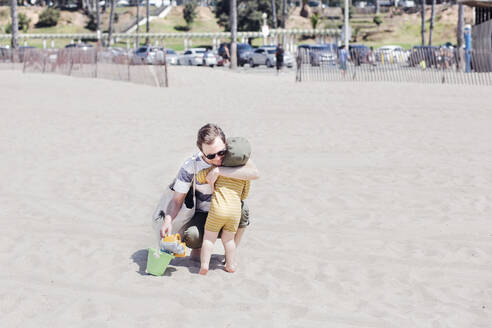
pixel 225 206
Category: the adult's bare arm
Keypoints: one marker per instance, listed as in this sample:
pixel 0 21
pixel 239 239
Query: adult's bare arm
pixel 171 212
pixel 245 172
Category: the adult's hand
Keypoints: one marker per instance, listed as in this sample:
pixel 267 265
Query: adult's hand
pixel 212 177
pixel 167 226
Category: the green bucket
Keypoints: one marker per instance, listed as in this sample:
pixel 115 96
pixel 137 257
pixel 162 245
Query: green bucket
pixel 157 262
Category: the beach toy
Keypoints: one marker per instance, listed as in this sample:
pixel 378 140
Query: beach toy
pixel 172 244
pixel 157 262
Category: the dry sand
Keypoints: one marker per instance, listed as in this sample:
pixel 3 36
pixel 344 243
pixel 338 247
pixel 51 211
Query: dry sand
pixel 373 209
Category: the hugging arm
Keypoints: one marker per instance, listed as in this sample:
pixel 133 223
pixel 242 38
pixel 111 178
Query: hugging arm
pixel 245 172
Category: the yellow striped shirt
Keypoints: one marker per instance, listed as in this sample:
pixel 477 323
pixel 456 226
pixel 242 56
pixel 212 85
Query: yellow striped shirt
pixel 225 206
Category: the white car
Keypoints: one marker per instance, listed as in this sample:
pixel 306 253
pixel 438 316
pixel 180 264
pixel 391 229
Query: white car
pixel 198 57
pixel 265 55
pixel 392 54
pixel 407 4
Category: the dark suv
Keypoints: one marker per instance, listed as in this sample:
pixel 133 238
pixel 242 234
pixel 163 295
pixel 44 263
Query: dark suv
pixel 428 54
pixel 320 53
pixel 358 53
pixel 244 51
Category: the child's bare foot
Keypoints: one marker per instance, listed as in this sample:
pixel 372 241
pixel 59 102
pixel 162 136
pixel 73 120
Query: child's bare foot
pixel 230 268
pixel 203 271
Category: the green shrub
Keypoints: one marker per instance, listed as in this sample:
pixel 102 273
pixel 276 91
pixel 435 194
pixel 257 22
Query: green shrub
pixel 378 20
pixel 48 17
pixel 23 23
pixel 314 20
pixel 91 24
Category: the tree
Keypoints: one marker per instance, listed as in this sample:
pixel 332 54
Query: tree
pixel 248 13
pixel 233 15
pixel 461 24
pixel 422 27
pixel 284 12
pixel 111 23
pixel 98 22
pixel 189 13
pixel 433 17
pixel 460 32
pixel 147 22
pixel 15 25
pixel 378 7
pixel 274 14
pixel 138 23
pixel 304 10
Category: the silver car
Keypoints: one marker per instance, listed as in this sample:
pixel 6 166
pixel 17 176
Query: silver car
pixel 265 55
pixel 198 57
pixel 171 57
pixel 148 55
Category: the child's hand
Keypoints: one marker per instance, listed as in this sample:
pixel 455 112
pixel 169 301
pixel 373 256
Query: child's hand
pixel 212 177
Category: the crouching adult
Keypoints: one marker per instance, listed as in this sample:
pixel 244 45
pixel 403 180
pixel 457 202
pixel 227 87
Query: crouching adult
pixel 211 142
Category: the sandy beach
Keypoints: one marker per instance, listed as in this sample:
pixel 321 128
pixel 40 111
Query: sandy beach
pixel 374 207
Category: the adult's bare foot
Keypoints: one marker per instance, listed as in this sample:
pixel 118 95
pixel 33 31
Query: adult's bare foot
pixel 203 271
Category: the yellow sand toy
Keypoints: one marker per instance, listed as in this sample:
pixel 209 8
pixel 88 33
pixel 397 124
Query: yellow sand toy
pixel 172 244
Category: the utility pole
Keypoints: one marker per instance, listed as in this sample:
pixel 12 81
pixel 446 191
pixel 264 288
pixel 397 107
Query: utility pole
pixel 233 15
pixel 147 27
pixel 346 24
pixel 422 28
pixel 15 23
pixel 138 21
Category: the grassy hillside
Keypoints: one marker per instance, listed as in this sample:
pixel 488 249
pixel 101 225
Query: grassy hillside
pixel 397 28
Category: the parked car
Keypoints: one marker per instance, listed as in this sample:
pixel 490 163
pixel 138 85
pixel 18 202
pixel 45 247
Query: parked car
pixel 391 54
pixel 148 55
pixel 428 54
pixel 358 54
pixel 198 56
pixel 320 53
pixel 81 45
pixel 244 51
pixel 265 55
pixel 406 4
pixel 171 57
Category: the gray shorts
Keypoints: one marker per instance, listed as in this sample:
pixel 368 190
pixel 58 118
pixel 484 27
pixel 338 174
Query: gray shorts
pixel 193 231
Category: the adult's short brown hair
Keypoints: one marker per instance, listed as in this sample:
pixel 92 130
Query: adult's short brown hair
pixel 208 133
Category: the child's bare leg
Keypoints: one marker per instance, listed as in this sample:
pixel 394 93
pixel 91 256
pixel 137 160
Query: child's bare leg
pixel 209 239
pixel 230 250
pixel 238 236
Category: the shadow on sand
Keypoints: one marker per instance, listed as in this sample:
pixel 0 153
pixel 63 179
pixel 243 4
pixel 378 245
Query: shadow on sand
pixel 193 265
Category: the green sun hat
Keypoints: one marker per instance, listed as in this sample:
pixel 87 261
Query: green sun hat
pixel 238 151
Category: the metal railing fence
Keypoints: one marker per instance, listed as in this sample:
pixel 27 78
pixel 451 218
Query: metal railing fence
pixel 111 64
pixel 420 65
